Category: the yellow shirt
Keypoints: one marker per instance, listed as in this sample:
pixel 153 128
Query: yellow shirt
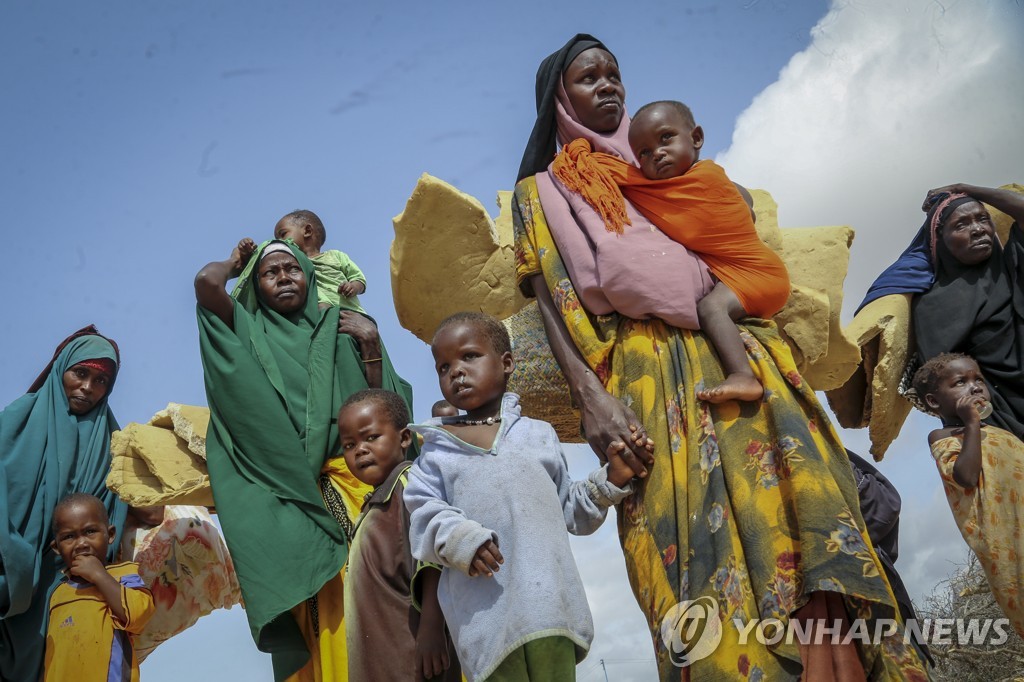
pixel 83 640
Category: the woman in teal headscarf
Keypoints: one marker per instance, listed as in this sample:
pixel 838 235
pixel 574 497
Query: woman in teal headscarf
pixel 54 440
pixel 277 370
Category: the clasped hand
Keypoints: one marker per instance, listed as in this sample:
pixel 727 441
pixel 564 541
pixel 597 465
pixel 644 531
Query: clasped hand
pixel 609 424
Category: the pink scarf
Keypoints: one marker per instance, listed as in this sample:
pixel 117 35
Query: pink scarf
pixel 641 273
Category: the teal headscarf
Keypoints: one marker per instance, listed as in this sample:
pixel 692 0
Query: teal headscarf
pixel 46 453
pixel 275 384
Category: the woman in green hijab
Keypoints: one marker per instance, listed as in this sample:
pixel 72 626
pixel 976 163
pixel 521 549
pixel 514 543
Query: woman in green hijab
pixel 277 370
pixel 54 440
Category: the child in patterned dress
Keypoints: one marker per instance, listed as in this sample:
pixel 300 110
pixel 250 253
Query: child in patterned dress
pixel 982 469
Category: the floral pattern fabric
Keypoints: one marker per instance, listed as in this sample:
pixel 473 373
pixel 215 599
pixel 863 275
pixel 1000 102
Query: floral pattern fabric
pixel 753 505
pixel 186 566
pixel 991 516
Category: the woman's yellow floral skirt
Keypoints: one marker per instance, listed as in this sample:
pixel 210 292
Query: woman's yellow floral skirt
pixel 751 504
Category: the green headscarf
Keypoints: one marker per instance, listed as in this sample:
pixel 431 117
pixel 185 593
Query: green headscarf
pixel 46 453
pixel 275 384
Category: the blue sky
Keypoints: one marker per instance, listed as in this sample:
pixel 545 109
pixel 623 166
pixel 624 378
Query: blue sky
pixel 142 140
pixel 146 139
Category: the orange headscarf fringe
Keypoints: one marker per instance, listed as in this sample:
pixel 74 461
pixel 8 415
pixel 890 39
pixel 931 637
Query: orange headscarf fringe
pixel 577 169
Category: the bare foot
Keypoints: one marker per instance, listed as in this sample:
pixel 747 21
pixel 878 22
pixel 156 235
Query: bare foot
pixel 742 387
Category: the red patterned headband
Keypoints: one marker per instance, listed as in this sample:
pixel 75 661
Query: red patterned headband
pixel 105 365
pixel 937 218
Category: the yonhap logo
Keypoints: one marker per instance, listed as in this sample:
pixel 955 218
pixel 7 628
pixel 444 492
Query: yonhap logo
pixel 691 630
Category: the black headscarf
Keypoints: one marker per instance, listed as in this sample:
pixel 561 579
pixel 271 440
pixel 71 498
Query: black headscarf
pixel 540 150
pixel 913 273
pixel 979 310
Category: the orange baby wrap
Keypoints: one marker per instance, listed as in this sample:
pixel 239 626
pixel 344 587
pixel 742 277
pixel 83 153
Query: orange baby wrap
pixel 701 209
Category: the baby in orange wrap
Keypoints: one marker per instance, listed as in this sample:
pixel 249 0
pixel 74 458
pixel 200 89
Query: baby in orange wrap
pixel 695 204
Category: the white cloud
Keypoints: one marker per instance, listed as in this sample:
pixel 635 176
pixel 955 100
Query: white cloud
pixel 889 100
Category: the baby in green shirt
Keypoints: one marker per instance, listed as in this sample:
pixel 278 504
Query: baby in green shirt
pixel 339 280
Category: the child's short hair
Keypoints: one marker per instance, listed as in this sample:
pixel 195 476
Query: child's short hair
pixel 77 499
pixel 442 406
pixel 681 108
pixel 490 326
pixel 392 403
pixel 319 232
pixel 926 378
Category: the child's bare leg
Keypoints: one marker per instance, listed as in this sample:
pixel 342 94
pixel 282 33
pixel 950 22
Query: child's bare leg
pixel 717 313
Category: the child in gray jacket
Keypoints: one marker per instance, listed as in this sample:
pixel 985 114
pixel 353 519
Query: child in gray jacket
pixel 490 500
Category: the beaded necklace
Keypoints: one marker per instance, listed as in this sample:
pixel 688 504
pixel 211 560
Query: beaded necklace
pixel 490 421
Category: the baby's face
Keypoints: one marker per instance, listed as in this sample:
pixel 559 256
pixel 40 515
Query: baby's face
pixel 289 228
pixel 664 142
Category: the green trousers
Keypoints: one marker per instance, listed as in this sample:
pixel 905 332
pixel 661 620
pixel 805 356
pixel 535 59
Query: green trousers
pixel 549 659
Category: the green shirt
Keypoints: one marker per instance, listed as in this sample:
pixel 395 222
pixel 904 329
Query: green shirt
pixel 334 268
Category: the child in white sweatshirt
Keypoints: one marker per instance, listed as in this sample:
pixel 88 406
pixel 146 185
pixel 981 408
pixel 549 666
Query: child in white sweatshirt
pixel 490 500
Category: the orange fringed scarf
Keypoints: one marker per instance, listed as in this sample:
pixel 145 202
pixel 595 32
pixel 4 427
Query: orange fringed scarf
pixel 588 175
pixel 701 209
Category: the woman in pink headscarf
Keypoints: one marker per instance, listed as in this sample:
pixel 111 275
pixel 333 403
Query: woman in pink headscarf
pixel 749 508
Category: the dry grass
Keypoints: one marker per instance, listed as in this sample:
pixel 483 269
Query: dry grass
pixel 965 595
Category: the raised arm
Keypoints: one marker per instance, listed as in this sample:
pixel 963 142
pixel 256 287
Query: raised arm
pixel 1009 202
pixel 92 570
pixel 129 601
pixel 967 468
pixel 212 280
pixel 606 419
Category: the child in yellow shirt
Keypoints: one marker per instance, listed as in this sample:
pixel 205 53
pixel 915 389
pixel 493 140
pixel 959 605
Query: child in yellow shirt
pixel 97 608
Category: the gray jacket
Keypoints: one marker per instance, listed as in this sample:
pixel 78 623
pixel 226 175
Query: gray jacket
pixel 519 494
